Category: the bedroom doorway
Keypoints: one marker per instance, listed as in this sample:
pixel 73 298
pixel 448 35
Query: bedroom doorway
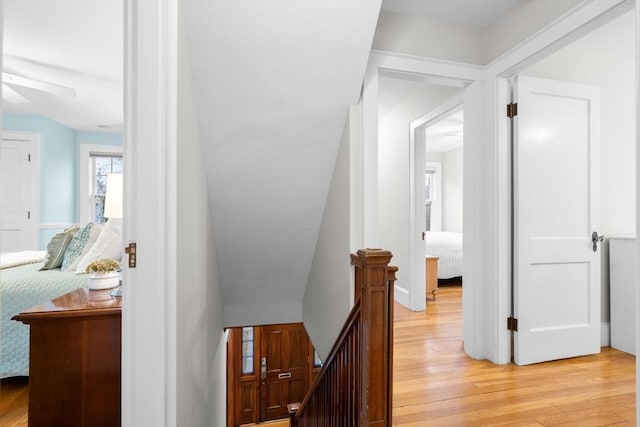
pixel 416 101
pixel 437 197
pixel 444 144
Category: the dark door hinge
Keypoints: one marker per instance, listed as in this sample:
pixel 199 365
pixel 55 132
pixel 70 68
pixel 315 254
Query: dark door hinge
pixel 130 250
pixel 512 324
pixel 512 110
pixel 28 157
pixel 28 214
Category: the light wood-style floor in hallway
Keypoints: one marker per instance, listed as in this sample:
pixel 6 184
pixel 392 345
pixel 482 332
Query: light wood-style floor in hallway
pixel 436 384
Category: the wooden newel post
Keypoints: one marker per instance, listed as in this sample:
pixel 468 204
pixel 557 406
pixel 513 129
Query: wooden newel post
pixel 373 285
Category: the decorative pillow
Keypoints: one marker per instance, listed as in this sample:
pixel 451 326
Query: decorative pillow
pixel 107 246
pixel 56 248
pixel 80 245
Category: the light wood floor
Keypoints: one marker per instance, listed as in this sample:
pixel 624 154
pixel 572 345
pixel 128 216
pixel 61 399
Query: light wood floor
pixel 436 384
pixel 14 398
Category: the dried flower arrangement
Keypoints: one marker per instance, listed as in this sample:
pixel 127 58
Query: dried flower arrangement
pixel 103 266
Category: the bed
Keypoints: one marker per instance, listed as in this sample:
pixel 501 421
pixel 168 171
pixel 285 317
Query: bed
pixel 22 286
pixel 447 246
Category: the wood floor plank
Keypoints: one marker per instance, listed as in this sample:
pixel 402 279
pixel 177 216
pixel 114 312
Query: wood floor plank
pixel 435 383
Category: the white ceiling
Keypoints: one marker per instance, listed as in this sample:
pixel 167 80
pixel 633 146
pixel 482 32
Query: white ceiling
pixel 72 43
pixel 446 134
pixel 478 13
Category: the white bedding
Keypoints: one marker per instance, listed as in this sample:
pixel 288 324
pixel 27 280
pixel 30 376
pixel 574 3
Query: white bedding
pixel 14 259
pixel 448 247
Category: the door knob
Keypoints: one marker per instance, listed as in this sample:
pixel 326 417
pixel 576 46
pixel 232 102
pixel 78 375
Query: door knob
pixel 595 239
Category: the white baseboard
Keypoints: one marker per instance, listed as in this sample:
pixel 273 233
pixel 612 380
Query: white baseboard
pixel 401 295
pixel 605 334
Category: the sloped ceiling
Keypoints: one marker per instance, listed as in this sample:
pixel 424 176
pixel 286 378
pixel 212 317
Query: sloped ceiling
pixel 273 83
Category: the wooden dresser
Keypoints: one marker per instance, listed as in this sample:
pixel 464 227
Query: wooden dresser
pixel 74 361
pixel 431 274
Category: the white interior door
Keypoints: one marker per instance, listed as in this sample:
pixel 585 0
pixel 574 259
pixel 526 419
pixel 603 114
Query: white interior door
pixel 18 192
pixel 556 202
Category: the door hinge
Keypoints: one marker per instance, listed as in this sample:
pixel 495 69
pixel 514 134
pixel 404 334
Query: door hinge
pixel 512 110
pixel 130 250
pixel 512 324
pixel 28 157
pixel 28 214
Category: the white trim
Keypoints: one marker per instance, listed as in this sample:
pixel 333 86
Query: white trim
pixel 149 386
pixel 33 139
pixel 370 156
pixel 55 226
pixel 401 295
pixel 637 8
pixel 84 178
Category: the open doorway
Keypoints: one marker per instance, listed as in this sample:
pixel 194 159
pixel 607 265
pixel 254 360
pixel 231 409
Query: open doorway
pixel 602 62
pixel 410 107
pixel 444 139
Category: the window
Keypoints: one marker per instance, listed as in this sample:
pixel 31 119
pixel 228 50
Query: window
pixel 430 196
pixel 95 162
pixel 101 165
pixel 247 350
pixel 317 362
pixel 433 196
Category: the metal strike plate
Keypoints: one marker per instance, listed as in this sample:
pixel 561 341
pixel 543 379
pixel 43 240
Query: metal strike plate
pixel 131 251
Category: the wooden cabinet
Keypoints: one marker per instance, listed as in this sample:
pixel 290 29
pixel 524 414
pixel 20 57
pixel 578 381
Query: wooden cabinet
pixel 431 270
pixel 74 361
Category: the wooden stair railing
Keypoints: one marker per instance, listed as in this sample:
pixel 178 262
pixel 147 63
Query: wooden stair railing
pixel 355 383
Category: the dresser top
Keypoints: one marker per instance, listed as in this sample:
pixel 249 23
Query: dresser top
pixel 79 303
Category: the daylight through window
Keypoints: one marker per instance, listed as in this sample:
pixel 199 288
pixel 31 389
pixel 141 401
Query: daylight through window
pixel 101 165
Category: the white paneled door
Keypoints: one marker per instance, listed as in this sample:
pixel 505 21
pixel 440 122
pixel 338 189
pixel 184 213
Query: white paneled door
pixel 556 210
pixel 18 192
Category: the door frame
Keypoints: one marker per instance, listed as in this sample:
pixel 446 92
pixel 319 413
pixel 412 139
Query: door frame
pixel 33 139
pixel 417 162
pixel 486 301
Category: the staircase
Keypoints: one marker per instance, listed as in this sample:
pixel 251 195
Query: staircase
pixel 355 384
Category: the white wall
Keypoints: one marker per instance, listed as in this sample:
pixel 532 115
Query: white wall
pixel 428 37
pixel 616 79
pixel 433 157
pixel 452 190
pixel 433 38
pixel 327 298
pixel 521 21
pixel 393 174
pixel 201 347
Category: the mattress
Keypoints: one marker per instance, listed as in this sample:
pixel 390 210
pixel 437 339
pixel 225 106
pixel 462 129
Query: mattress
pixel 448 247
pixel 23 287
